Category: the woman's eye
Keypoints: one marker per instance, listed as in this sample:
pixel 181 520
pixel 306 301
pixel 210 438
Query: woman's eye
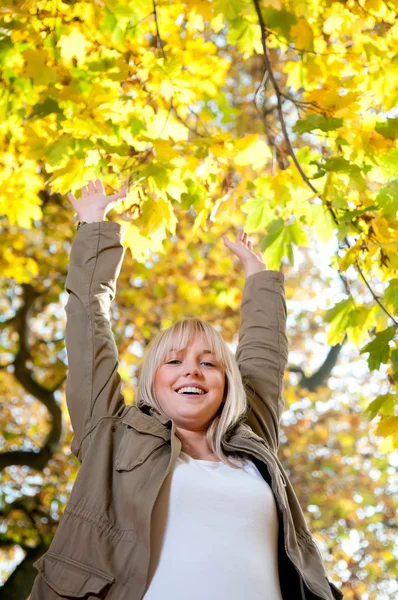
pixel 175 360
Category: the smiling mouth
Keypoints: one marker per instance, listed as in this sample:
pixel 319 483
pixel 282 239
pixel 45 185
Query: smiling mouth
pixel 191 395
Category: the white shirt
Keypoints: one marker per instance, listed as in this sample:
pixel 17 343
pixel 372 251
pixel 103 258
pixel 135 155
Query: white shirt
pixel 214 535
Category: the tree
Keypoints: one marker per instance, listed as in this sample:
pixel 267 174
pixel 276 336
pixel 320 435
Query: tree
pixel 277 115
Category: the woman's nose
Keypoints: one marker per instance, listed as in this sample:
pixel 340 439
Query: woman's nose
pixel 193 370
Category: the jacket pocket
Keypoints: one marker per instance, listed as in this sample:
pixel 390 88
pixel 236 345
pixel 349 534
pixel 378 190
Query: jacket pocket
pixel 68 578
pixel 135 448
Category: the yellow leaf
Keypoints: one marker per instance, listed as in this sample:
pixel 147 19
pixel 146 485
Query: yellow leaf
pixel 159 213
pixel 37 69
pixel 387 426
pixel 302 34
pixel 71 177
pixel 200 220
pixel 255 152
pixel 333 23
pixel 138 244
pixel 19 199
pixel 21 269
pixel 295 71
pixel 163 126
pixel 217 23
pixel 189 291
pixel 386 445
pixel 73 45
pixel 124 373
pixel 175 188
pixel 330 98
pixel 164 149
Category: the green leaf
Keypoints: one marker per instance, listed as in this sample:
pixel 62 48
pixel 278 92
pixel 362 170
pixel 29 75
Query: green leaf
pixel 338 164
pixel 390 161
pixel 259 213
pixel 322 221
pixel 47 107
pixel 388 199
pixel 194 194
pixel 156 174
pixel 382 405
pixel 391 294
pixel 317 122
pixel 136 126
pixel 279 242
pixel 394 361
pixel 297 234
pixel 109 22
pixel 274 230
pixel 339 317
pixel 279 20
pixel 349 215
pixel 388 129
pixel 379 349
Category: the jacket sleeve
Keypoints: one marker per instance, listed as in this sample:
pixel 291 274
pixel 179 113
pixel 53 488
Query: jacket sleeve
pixel 262 352
pixel 93 383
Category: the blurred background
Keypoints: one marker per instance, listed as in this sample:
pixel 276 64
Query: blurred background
pixel 279 116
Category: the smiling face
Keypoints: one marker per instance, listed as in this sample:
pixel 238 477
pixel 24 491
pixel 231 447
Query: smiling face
pixel 189 367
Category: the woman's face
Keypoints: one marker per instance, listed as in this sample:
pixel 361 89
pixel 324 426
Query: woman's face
pixel 190 367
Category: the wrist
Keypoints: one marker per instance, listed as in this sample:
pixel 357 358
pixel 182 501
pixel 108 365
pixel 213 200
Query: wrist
pixel 251 269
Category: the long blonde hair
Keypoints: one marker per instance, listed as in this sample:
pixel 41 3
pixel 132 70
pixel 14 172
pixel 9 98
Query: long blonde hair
pixel 234 408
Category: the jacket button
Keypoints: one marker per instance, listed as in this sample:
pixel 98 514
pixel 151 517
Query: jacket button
pixel 113 428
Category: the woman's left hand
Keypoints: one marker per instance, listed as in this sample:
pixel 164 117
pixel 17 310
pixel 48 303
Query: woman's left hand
pixel 243 249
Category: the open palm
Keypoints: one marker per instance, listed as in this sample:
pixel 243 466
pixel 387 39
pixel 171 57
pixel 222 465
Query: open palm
pixel 94 203
pixel 243 249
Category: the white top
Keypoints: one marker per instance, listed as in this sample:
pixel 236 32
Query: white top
pixel 214 534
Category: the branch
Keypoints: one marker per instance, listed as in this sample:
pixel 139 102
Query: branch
pixel 159 42
pixel 279 95
pixel 20 582
pixel 314 381
pixel 24 375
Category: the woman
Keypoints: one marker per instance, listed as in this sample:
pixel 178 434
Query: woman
pixel 177 497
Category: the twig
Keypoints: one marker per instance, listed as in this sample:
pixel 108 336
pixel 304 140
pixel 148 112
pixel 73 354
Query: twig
pixel 158 38
pixel 376 298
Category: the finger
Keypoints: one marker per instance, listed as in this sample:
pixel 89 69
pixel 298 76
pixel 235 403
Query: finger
pixel 84 190
pixel 226 240
pixel 91 187
pixel 249 243
pixel 118 195
pixel 71 198
pixel 100 186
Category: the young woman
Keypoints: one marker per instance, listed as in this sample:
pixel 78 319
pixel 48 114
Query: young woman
pixel 181 496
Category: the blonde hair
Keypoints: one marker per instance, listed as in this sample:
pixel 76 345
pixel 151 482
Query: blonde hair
pixel 234 408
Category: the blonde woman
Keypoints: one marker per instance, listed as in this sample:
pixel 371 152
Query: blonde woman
pixel 182 496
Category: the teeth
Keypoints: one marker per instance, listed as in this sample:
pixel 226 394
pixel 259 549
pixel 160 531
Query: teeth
pixel 190 389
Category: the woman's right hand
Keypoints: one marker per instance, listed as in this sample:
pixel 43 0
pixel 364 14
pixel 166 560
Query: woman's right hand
pixel 94 203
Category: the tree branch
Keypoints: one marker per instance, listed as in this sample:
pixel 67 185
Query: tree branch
pixel 314 381
pixel 279 95
pixel 24 375
pixel 159 42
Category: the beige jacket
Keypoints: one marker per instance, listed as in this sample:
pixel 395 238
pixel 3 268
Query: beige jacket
pixel 101 547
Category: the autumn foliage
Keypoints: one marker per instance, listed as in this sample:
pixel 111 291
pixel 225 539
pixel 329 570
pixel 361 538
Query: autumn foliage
pixel 277 115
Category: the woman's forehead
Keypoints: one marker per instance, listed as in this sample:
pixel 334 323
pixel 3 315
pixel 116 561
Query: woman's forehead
pixel 199 341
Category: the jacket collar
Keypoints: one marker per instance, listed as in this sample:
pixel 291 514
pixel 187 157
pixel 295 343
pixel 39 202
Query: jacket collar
pixel 149 420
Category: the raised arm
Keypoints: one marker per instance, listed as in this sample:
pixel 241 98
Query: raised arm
pixel 263 348
pixel 93 385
